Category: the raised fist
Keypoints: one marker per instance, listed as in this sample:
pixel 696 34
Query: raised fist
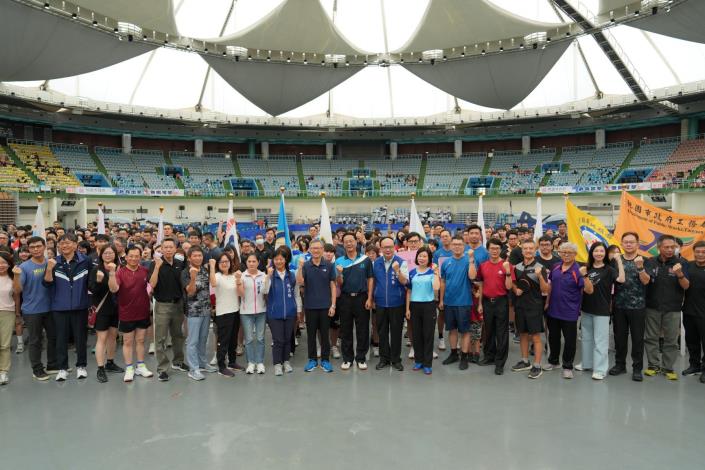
pixel 211 264
pixel 583 270
pixel 238 275
pixel 270 271
pixel 301 261
pixel 538 269
pixel 639 262
pixel 340 269
pixel 111 267
pixel 51 262
pixel 471 254
pixel 99 276
pixel 436 271
pixel 677 268
pixel 193 271
pixel 395 266
pixel 507 267
pixel 17 270
pixel 158 261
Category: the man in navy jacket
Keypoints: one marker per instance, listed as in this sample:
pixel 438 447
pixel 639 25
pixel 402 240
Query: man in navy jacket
pixel 66 277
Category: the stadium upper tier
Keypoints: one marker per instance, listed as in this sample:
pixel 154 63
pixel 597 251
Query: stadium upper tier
pixel 31 166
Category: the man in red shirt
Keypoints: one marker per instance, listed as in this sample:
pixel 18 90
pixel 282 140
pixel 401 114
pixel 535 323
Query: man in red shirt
pixel 495 278
pixel 129 282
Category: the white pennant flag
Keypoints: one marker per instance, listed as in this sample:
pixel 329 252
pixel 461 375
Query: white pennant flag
pixel 101 220
pixel 415 224
pixel 481 220
pixel 160 227
pixel 231 229
pixel 538 227
pixel 325 233
pixel 38 228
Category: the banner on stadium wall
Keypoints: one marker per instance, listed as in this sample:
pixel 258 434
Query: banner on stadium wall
pixel 90 191
pixel 650 222
pixel 602 188
pixel 584 230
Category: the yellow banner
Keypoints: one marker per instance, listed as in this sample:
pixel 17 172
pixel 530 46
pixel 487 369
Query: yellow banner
pixel 585 229
pixel 650 222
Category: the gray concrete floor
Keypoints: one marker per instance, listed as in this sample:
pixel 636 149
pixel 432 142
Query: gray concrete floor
pixel 352 420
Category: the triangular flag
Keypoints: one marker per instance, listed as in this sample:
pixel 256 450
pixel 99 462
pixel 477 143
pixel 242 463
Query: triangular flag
pixel 415 224
pixel 325 233
pixel 282 226
pixel 481 220
pixel 101 220
pixel 38 228
pixel 231 229
pixel 538 227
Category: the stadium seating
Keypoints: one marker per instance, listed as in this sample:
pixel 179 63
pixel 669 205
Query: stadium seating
pixel 653 153
pixel 445 173
pixel 12 178
pixel 206 174
pixel 509 160
pixel 684 159
pixel 275 172
pixel 396 177
pixel 41 161
pixel 587 156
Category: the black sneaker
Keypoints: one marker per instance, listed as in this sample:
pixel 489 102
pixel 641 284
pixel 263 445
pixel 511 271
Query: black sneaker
pixel 452 357
pixel 637 376
pixel 180 366
pixel 163 376
pixel 475 359
pixel 498 370
pixel 535 373
pixel 110 366
pixel 40 375
pixel 463 361
pixel 101 375
pixel 521 366
pixel 381 365
pixel 617 370
pixel 235 366
pixel 486 362
pixel 691 371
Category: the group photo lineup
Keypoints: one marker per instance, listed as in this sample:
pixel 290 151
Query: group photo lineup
pixel 326 234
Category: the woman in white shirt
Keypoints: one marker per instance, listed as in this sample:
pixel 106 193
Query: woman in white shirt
pixel 224 274
pixel 9 312
pixel 253 310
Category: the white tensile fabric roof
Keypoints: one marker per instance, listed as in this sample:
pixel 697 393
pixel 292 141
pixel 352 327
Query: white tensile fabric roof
pixel 667 50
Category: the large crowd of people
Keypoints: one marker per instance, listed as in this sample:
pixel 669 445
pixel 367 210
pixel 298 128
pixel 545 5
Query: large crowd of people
pixel 356 298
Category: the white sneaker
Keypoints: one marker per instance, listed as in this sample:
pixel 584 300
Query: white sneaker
pixel 435 355
pixel 61 375
pixel 20 348
pixel 345 365
pixel 578 366
pixel 210 369
pixel 143 371
pixel 362 365
pixel 442 344
pixel 375 351
pixel 3 378
pixel 81 373
pixel 287 367
pixel 152 348
pixel 214 361
pixel 250 368
pixel 129 374
pixel 335 352
pixel 598 376
pixel 260 368
pixel 411 353
pixel 278 370
pixel 239 350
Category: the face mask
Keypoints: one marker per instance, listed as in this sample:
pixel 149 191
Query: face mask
pixel 179 256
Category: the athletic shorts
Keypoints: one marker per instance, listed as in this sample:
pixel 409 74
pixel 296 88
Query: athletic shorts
pixel 130 326
pixel 476 330
pixel 529 321
pixel 457 318
pixel 105 322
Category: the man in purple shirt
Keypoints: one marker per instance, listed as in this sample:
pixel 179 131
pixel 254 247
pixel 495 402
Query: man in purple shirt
pixel 568 281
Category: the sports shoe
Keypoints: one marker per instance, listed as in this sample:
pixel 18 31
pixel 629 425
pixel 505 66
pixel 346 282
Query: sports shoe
pixel 435 355
pixel 180 366
pixel 214 361
pixel 225 372
pixel 346 365
pixel 548 366
pixel 362 365
pixel 310 365
pixel 417 366
pixel 152 348
pixel 637 376
pixel 691 371
pixel 580 367
pixel 20 348
pixel 498 370
pixel 381 365
pixel 81 373
pixel 196 375
pixel 239 350
pixel 652 371
pixel 278 370
pixel 40 375
pixel 671 375
pixel 535 373
pixel 129 374
pixel 235 366
pixel 142 371
pixel 617 370
pixel 51 371
pixel 598 376
pixel 452 357
pixel 326 366
pixel 516 339
pixel 3 378
pixel 101 375
pixel 62 375
pixel 250 368
pixel 335 352
pixel 567 373
pixel 427 370
pixel 521 366
pixel 163 376
pixel 441 344
pixel 463 361
pixel 209 368
pixel 411 353
pixel 375 351
pixel 110 366
pixel 287 367
pixel 260 368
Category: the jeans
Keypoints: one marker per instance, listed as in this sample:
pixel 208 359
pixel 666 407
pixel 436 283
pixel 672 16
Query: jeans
pixel 595 342
pixel 423 321
pixel 695 339
pixel 497 324
pixel 317 320
pixel 38 324
pixel 66 322
pixel 254 325
pixel 196 342
pixel 390 321
pixel 7 327
pixel 168 320
pixel 569 329
pixel 226 336
pixel 353 313
pixel 657 322
pixel 628 321
pixel 281 337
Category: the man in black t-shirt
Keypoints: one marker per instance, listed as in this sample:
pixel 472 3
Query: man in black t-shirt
pixel 547 257
pixel 694 313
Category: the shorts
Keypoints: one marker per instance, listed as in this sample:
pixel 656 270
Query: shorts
pixel 130 326
pixel 105 322
pixel 529 321
pixel 476 330
pixel 457 318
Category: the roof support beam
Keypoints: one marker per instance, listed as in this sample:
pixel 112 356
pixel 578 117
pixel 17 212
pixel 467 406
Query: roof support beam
pixel 199 105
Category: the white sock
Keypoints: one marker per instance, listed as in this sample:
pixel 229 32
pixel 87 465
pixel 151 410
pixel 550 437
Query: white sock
pixel 20 340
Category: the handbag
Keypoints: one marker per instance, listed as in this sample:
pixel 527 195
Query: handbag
pixel 93 311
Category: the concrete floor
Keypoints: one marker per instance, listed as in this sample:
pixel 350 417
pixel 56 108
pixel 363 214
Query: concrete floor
pixel 352 420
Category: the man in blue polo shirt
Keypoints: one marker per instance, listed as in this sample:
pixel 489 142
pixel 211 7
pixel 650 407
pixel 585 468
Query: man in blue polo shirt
pixel 355 278
pixel 317 276
pixel 475 244
pixel 443 250
pixel 456 300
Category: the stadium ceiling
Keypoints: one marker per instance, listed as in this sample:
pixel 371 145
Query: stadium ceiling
pixel 352 62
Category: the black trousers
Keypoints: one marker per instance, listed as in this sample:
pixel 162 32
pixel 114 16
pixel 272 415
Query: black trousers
pixel 38 324
pixel 496 313
pixel 695 339
pixel 423 321
pixel 569 330
pixel 281 337
pixel 318 321
pixel 626 322
pixel 68 322
pixel 353 313
pixel 226 335
pixel 390 321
